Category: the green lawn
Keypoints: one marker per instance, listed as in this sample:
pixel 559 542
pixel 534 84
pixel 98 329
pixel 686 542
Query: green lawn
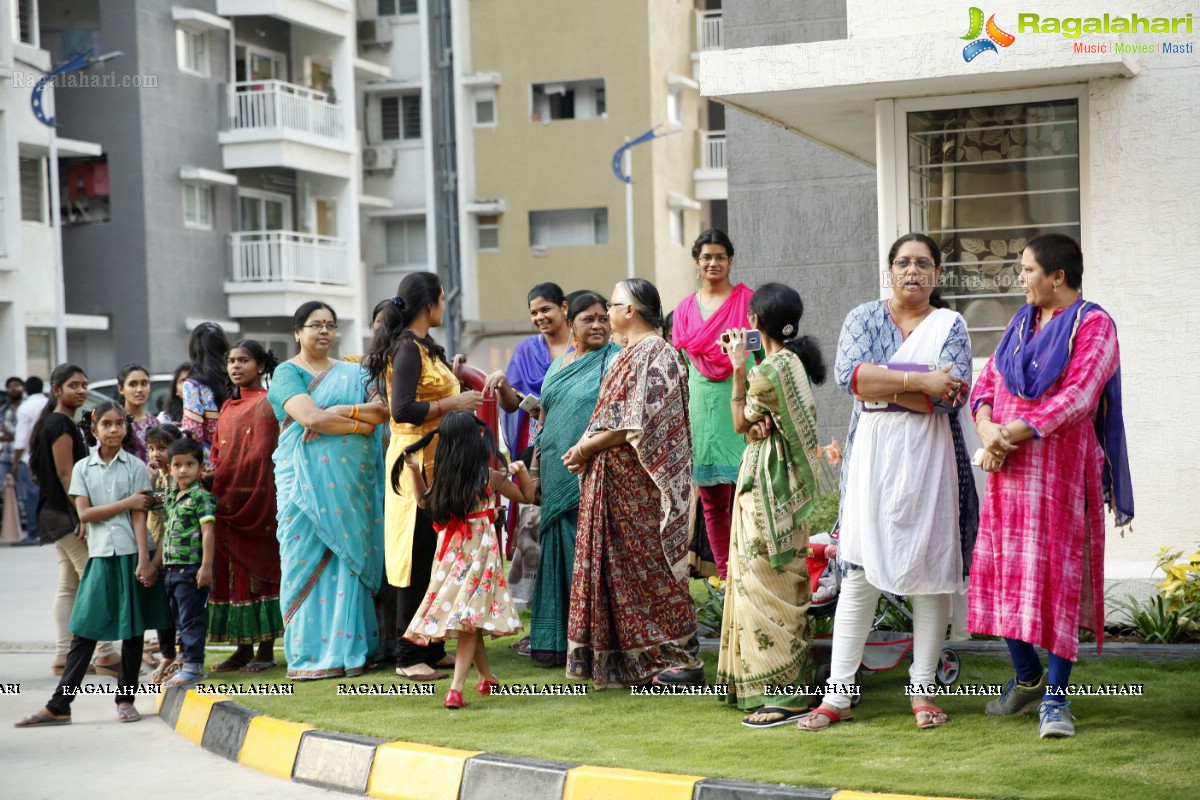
pixel 1132 747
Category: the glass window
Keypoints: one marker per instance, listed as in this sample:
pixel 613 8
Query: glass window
pixel 192 51
pixel 400 118
pixel 568 100
pixel 33 192
pixel 568 228
pixel 981 182
pixel 391 8
pixel 485 107
pixel 488 236
pixel 405 243
pixel 197 206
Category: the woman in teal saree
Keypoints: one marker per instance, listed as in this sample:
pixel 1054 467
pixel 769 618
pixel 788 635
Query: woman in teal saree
pixel 569 394
pixel 330 499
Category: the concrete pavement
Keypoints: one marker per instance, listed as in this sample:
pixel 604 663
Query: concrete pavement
pixel 95 756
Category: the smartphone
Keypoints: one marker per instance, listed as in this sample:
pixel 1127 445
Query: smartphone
pixel 530 404
pixel 753 340
pixel 977 459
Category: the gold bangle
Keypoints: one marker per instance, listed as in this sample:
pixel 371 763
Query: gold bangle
pixel 906 381
pixel 354 412
pixel 357 424
pixel 895 397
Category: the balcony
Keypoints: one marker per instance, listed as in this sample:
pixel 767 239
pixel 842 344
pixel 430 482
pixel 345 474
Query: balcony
pixel 712 177
pixel 278 124
pixel 708 30
pixel 322 16
pixel 276 271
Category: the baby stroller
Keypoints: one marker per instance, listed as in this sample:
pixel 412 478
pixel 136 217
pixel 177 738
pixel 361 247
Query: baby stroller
pixel 885 648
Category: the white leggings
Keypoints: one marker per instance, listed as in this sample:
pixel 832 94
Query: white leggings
pixel 856 606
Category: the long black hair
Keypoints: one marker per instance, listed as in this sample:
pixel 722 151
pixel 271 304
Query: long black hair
pixel 207 350
pixel 58 378
pixel 88 425
pixel 644 295
pixel 173 407
pixel 464 455
pixel 935 299
pixel 123 375
pixel 779 309
pixel 417 291
pixel 262 356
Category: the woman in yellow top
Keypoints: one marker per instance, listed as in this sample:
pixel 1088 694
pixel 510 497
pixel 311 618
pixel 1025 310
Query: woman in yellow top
pixel 412 375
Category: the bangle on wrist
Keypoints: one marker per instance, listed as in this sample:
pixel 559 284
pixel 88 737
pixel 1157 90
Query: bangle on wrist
pixel 438 404
pixel 741 398
pixel 357 425
pixel 906 381
pixel 354 412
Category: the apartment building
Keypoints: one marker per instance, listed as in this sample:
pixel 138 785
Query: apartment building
pixel 982 148
pixel 540 111
pixel 30 302
pixel 228 188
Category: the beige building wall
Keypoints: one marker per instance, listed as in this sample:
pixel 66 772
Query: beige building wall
pixel 566 164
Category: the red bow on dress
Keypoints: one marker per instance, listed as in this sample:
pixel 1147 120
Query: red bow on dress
pixel 460 529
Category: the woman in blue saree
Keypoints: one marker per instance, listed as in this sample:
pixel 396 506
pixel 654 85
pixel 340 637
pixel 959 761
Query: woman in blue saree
pixel 569 395
pixel 330 497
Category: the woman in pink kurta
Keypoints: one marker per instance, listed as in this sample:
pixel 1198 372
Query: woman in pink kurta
pixel 1047 407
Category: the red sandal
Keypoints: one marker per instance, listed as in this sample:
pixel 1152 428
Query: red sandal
pixel 831 715
pixel 454 700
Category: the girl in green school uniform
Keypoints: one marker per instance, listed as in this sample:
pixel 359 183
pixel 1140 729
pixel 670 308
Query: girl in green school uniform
pixel 119 597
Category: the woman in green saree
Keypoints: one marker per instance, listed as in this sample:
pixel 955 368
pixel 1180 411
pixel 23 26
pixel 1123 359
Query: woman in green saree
pixel 765 639
pixel 569 394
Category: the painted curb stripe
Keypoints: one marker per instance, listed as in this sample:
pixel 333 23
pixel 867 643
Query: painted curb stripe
pixel 271 746
pixel 605 783
pixel 335 760
pixel 193 715
pixel 404 771
pixel 726 789
pixel 497 777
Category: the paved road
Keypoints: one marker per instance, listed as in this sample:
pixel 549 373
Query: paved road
pixel 94 757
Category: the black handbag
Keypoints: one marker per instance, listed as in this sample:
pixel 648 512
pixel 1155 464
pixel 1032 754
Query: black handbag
pixel 54 523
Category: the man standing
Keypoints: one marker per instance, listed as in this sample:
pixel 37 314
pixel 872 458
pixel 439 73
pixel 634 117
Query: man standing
pixel 27 413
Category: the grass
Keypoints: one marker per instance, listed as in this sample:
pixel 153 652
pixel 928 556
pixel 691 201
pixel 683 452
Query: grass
pixel 1135 747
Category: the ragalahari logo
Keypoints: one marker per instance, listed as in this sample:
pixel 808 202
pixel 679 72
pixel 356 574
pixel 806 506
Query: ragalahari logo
pixel 979 45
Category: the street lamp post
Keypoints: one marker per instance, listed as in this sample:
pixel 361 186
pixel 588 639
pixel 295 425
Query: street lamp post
pixel 622 166
pixel 82 61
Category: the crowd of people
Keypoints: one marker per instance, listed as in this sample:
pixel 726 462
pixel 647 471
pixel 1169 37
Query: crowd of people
pixel 353 506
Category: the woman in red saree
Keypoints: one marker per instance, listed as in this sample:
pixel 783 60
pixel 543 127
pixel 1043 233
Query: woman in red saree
pixel 243 606
pixel 631 619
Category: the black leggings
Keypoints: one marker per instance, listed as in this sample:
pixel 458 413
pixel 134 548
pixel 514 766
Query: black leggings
pixel 78 660
pixel 410 600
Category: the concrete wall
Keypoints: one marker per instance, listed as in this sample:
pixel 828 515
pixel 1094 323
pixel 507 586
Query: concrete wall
pixel 800 213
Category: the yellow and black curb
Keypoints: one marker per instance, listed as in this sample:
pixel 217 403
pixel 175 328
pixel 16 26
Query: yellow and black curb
pixel 363 765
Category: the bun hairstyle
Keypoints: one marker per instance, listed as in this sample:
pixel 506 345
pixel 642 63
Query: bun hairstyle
pixel 262 356
pixel 58 379
pixel 465 454
pixel 207 350
pixel 645 300
pixel 166 433
pixel 935 252
pixel 712 236
pixel 779 309
pixel 417 291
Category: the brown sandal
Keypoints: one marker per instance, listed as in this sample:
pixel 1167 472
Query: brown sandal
pixel 42 719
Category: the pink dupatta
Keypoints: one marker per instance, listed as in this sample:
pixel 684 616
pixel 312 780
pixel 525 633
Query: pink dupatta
pixel 699 337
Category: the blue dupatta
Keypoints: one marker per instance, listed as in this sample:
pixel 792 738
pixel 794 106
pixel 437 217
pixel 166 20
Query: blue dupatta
pixel 1030 365
pixel 525 373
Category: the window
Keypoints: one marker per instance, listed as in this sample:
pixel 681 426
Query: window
pixel 257 64
pixel 84 189
pixel 676 225
pixel 404 245
pixel 981 182
pixel 568 100
pixel 675 106
pixel 263 211
pixel 485 108
pixel 569 228
pixel 487 239
pixel 197 206
pixel 27 23
pixel 392 8
pixel 192 51
pixel 33 190
pixel 400 118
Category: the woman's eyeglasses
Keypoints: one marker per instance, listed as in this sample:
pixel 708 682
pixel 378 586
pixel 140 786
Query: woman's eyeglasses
pixel 320 326
pixel 919 263
pixel 610 306
pixel 720 258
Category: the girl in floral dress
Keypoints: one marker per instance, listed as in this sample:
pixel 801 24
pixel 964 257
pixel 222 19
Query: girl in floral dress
pixel 468 596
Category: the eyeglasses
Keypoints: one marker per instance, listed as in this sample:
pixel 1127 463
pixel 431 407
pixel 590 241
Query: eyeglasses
pixel 720 258
pixel 610 305
pixel 321 326
pixel 919 263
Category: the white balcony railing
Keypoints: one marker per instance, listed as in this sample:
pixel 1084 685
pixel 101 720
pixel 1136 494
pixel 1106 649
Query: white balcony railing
pixel 266 105
pixel 712 150
pixel 289 257
pixel 708 30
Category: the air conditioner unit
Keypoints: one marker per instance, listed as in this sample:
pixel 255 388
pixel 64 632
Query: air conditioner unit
pixel 375 32
pixel 378 159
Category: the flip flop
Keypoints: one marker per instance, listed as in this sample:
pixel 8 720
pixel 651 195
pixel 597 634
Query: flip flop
pixel 255 667
pixel 127 713
pixel 229 665
pixel 832 716
pixel 42 720
pixel 933 712
pixel 787 715
pixel 420 677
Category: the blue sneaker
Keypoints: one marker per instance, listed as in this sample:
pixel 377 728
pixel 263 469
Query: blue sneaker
pixel 1055 720
pixel 1017 699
